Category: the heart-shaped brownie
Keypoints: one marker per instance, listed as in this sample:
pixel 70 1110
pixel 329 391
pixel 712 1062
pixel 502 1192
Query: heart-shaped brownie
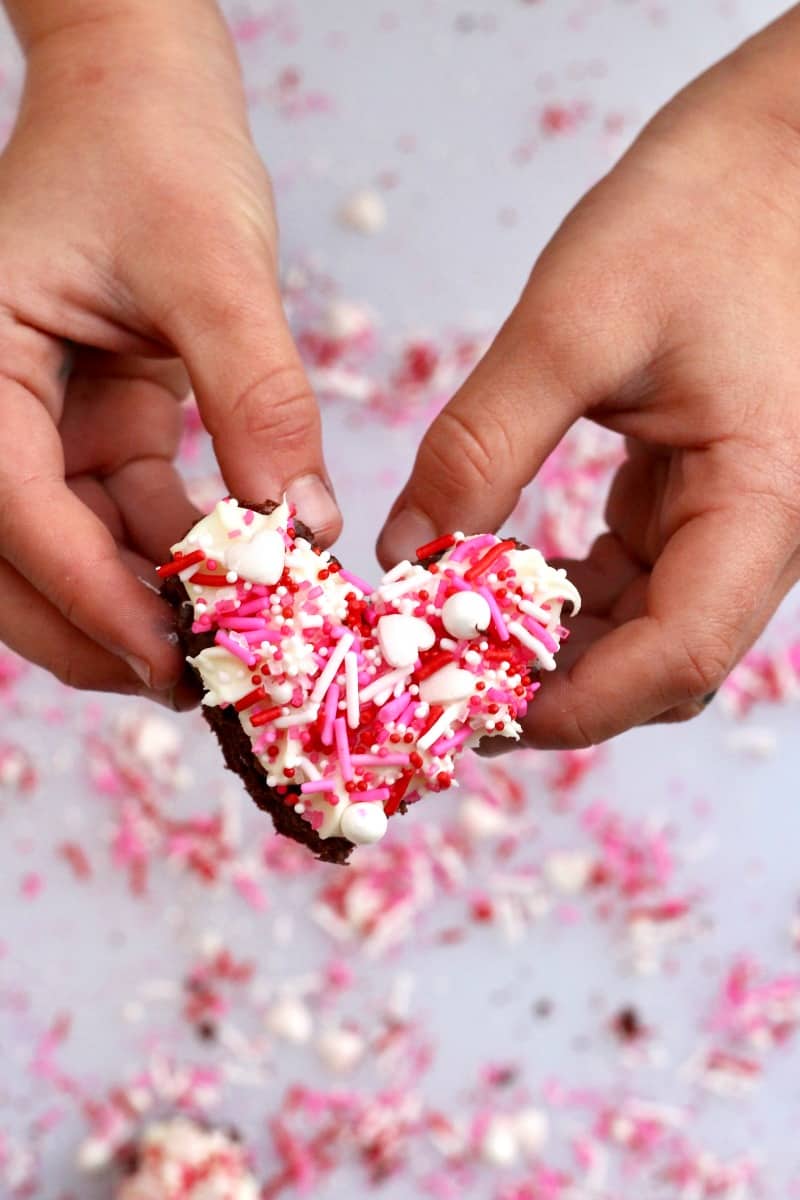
pixel 339 704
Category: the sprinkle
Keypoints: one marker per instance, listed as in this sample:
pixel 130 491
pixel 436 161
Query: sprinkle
pixel 180 563
pixel 433 664
pixel 334 662
pixel 392 709
pixel 445 745
pixel 527 639
pixel 343 749
pixel 250 699
pixel 351 689
pixel 265 715
pixel 475 543
pixel 439 727
pixel 541 634
pixel 381 794
pixel 356 581
pixel 491 556
pixel 497 616
pixel 305 717
pixel 222 639
pixel 318 785
pixel 331 703
pixel 378 760
pixel 384 683
pixel 436 546
pixel 201 579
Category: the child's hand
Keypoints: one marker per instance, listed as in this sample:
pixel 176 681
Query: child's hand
pixel 135 219
pixel 667 308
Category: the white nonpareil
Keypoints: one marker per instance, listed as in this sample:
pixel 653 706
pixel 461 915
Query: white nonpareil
pixel 466 614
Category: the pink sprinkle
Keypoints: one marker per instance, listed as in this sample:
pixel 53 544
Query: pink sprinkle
pixel 445 745
pixel 497 616
pixel 381 794
pixel 262 634
pixel 318 785
pixel 407 715
pixel 251 606
pixel 541 634
pixel 355 580
pixel 392 709
pixel 465 548
pixel 380 760
pixel 331 704
pixel 241 623
pixel 249 516
pixel 246 657
pixel 343 748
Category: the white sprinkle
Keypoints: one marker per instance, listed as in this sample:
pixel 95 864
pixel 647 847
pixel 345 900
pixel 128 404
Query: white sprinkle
pixel 384 683
pixel 351 689
pixel 522 635
pixel 331 667
pixel 439 727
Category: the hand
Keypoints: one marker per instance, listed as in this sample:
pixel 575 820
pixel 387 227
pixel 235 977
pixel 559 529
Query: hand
pixel 137 237
pixel 666 308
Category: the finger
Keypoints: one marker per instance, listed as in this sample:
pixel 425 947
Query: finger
pixel 68 554
pixel 635 501
pixel 485 445
pixel 253 394
pixel 603 577
pixel 154 508
pixel 109 420
pixel 716 584
pixel 32 627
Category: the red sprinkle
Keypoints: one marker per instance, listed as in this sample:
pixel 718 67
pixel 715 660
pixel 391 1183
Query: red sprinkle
pixel 485 561
pixel 436 546
pixel 433 664
pixel 199 579
pixel 250 699
pixel 265 715
pixel 180 563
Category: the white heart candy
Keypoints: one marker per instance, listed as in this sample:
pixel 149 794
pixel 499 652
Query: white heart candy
pixel 260 560
pixel 401 638
pixel 447 686
pixel 466 614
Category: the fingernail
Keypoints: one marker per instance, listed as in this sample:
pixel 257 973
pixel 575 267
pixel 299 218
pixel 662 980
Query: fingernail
pixel 403 533
pixel 315 505
pixel 140 668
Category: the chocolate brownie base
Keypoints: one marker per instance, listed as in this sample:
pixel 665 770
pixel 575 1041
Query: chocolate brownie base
pixel 234 742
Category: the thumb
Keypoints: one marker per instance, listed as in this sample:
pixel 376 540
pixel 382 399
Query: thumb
pixel 488 442
pixel 254 396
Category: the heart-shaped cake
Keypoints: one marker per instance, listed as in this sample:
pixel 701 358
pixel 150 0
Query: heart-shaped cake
pixel 340 704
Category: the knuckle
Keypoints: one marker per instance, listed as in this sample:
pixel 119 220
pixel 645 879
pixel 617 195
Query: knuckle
pixel 584 733
pixel 463 455
pixel 701 668
pixel 71 670
pixel 278 405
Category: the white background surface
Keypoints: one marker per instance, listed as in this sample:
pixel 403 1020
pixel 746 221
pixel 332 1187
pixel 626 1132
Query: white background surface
pixel 465 221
